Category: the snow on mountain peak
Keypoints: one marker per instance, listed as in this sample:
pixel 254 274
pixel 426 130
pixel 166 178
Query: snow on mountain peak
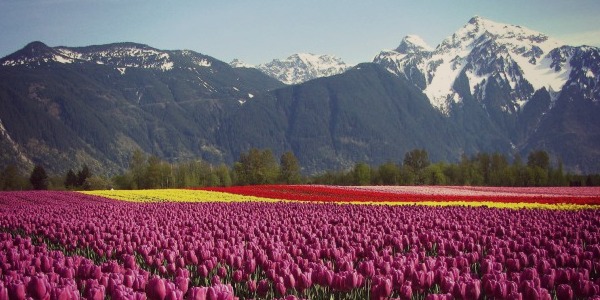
pixel 236 63
pixel 482 49
pixel 301 67
pixel 119 55
pixel 510 34
pixel 413 44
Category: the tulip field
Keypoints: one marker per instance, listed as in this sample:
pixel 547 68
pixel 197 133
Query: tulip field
pixel 302 242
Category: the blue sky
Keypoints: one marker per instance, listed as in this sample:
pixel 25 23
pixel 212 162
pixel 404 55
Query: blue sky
pixel 258 31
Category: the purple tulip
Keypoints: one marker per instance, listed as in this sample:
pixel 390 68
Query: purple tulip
pixel 96 293
pixel 305 282
pixel 3 292
pixel 251 286
pixel 263 288
pixel 406 290
pixel 280 288
pixel 156 289
pixel 38 288
pixel 182 284
pixel 197 293
pixel 16 290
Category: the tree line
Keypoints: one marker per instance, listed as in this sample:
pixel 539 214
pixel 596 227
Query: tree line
pixel 253 167
pixel 482 169
pixel 261 167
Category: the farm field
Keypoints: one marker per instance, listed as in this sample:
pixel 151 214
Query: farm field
pixel 301 242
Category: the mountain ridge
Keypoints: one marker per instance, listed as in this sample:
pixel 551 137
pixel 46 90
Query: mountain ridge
pixel 476 91
pixel 300 67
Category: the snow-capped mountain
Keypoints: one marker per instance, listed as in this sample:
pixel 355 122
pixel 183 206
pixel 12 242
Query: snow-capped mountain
pixel 236 63
pixel 515 60
pixel 299 68
pixel 119 55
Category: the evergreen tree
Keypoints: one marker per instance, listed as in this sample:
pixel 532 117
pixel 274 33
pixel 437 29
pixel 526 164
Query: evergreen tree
pixel 416 161
pixel 11 180
pixel 82 176
pixel 539 159
pixel 71 180
pixel 39 178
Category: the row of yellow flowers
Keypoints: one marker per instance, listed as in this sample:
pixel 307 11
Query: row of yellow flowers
pixel 181 195
pixel 176 195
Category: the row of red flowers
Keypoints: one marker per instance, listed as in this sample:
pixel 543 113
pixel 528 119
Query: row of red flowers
pixel 343 194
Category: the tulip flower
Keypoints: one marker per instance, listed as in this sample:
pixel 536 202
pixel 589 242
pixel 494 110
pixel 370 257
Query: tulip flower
pixel 156 289
pixel 263 288
pixel 16 290
pixel 280 288
pixel 197 293
pixel 406 290
pixel 251 286
pixel 38 288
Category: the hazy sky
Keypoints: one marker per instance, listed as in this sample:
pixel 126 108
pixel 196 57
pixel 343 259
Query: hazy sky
pixel 258 31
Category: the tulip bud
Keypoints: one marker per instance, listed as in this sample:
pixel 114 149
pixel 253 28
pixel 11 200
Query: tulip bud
pixel 129 262
pixel 237 276
pixel 156 289
pixel 16 290
pixel 215 280
pixel 37 288
pixel 263 288
pixel 96 293
pixel 280 288
pixel 515 296
pixel 473 289
pixel 305 281
pixel 197 293
pixel 351 281
pixel 3 292
pixel 447 284
pixel 251 286
pixel 182 284
pixel 406 290
pixel 211 294
pixel 250 266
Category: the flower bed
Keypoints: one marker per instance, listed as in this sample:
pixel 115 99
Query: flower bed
pixel 418 195
pixel 176 195
pixel 62 242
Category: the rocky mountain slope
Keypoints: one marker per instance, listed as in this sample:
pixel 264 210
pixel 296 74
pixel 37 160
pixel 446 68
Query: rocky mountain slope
pixel 489 87
pixel 520 80
pixel 63 107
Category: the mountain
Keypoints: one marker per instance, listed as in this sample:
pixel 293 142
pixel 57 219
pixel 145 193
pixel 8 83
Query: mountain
pixel 489 87
pixel 482 51
pixel 63 106
pixel 363 114
pixel 299 68
pixel 236 63
pixel 521 81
